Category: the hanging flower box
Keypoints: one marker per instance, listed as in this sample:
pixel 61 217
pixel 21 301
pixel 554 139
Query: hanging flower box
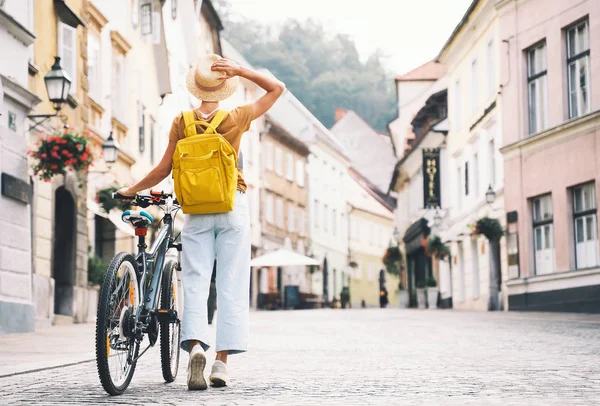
pixel 60 151
pixel 488 227
pixel 436 248
pixel 392 255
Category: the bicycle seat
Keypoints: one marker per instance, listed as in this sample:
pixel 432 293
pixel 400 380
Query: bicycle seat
pixel 138 218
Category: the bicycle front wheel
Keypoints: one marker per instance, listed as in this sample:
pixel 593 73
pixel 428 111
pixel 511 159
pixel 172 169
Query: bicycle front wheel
pixel 169 332
pixel 116 346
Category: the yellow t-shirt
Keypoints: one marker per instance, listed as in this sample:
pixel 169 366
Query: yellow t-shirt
pixel 232 128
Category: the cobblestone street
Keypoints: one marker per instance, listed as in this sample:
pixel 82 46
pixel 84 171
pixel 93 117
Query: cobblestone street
pixel 366 357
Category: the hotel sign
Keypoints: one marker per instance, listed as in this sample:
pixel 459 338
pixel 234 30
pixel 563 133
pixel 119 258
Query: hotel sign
pixel 431 178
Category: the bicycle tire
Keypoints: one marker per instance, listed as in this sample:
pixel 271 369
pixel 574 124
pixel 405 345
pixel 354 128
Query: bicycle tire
pixel 168 348
pixel 103 345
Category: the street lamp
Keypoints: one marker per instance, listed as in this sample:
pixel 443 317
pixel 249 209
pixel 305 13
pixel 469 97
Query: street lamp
pixel 58 85
pixel 110 150
pixel 396 234
pixel 490 195
pixel 437 219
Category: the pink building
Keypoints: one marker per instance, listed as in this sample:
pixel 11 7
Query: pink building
pixel 550 91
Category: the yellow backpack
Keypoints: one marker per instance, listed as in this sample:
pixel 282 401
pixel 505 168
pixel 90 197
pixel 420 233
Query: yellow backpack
pixel 205 168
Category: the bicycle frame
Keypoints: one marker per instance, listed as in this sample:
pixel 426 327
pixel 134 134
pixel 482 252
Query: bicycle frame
pixel 152 262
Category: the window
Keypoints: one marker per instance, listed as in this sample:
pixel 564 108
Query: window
pixel 537 87
pixel 291 217
pixel 316 213
pixel 459 190
pixel 457 105
pixel 475 175
pixel 67 50
pixel 141 127
pixel 279 212
pixel 578 68
pixel 118 85
pixel 492 162
pixel 333 221
pixel 269 209
pixel 135 13
pixel 543 235
pixel 301 221
pixel 474 87
pixel 152 125
pixel 325 218
pixel 371 272
pixel 300 173
pixel 585 220
pixel 467 178
pixel 278 161
pixel 290 167
pixel 146 18
pixel 94 68
pixel 269 156
pixel 491 68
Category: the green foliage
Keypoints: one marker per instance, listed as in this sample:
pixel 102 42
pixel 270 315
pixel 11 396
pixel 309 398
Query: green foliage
pixel 437 248
pixel 96 270
pixel 488 227
pixel 431 282
pixel 323 71
pixel 420 284
pixel 105 199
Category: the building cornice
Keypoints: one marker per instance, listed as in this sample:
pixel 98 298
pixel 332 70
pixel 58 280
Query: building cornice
pixel 119 42
pixel 18 93
pixel 16 28
pixel 94 17
pixel 556 133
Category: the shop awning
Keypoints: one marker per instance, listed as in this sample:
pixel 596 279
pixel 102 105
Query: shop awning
pixel 283 257
pixel 113 216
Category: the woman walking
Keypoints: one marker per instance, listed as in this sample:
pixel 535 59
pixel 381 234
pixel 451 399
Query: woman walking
pixel 222 236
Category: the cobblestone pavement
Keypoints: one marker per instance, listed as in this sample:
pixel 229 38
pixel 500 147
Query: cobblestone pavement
pixel 371 356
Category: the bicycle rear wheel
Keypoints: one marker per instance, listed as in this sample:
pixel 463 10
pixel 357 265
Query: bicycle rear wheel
pixel 116 346
pixel 169 332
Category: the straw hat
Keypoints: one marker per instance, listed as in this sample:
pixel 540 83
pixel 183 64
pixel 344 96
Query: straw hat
pixel 204 83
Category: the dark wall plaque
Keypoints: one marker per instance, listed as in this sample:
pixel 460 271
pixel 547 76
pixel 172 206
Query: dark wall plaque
pixel 16 188
pixel 431 178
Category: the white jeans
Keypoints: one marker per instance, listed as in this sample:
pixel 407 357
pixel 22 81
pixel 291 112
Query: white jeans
pixel 226 236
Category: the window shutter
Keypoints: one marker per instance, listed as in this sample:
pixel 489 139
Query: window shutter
pixel 67 50
pixel 156 29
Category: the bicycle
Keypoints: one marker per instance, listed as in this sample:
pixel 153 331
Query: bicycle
pixel 138 298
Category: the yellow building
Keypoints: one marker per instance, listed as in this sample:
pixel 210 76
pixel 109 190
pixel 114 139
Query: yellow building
pixel 59 210
pixel 371 227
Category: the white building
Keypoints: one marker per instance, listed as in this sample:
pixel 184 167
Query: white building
pixel 471 55
pixel 327 171
pixel 17 312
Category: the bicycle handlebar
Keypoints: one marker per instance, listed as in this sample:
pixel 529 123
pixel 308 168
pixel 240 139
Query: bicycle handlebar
pixel 153 199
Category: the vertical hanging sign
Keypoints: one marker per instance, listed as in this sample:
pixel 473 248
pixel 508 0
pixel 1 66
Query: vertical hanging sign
pixel 431 178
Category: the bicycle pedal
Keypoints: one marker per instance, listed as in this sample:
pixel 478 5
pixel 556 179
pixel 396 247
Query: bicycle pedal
pixel 167 315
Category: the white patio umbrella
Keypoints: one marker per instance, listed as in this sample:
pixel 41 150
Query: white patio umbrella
pixel 282 257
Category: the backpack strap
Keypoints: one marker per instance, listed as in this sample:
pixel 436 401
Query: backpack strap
pixel 216 121
pixel 190 122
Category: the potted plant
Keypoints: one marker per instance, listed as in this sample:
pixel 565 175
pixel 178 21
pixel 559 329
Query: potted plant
pixel 345 297
pixel 403 296
pixel 490 228
pixel 64 149
pixel 432 292
pixel 436 248
pixel 421 298
pixel 392 255
pixel 105 200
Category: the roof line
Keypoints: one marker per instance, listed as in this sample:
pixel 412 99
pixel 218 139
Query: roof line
pixel 457 29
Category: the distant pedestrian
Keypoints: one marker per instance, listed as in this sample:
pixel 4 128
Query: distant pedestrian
pixel 383 298
pixel 363 304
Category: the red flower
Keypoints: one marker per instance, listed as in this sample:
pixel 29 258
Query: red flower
pixel 54 166
pixel 84 156
pixel 43 156
pixel 55 155
pixel 56 147
pixel 65 152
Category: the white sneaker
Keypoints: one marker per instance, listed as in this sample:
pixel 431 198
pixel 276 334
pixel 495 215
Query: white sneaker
pixel 218 376
pixel 195 376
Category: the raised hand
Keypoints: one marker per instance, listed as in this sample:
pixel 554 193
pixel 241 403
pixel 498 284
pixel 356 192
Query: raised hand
pixel 229 68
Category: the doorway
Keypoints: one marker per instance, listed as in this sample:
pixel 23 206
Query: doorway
pixel 63 259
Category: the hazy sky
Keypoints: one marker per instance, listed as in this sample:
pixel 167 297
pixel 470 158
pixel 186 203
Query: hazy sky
pixel 410 32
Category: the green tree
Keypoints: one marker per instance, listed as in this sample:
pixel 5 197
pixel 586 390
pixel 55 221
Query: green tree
pixel 323 71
